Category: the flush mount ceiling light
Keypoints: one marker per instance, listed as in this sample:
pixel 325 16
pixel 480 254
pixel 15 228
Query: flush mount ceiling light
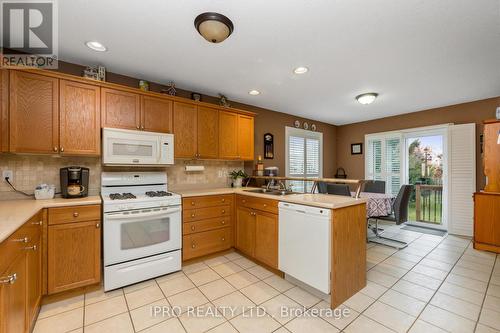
pixel 96 46
pixel 367 98
pixel 214 27
pixel 300 70
pixel 254 92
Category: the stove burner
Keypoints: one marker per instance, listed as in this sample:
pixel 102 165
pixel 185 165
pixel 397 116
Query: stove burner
pixel 121 196
pixel 158 194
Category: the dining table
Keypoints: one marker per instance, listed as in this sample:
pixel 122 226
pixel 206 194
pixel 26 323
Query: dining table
pixel 378 204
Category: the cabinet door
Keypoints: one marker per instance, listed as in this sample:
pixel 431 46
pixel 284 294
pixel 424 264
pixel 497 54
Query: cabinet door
pixel 245 231
pixel 487 218
pixel 13 297
pixel 185 130
pixel 266 238
pixel 228 135
pixel 4 110
pixel 120 109
pixel 74 255
pixel 156 114
pixel 34 113
pixel 80 119
pixel 208 132
pixel 245 137
pixel 34 277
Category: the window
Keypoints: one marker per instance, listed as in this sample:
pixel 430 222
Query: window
pixel 304 156
pixel 383 160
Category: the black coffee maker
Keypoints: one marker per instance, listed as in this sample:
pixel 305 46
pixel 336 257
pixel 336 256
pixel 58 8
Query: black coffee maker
pixel 74 182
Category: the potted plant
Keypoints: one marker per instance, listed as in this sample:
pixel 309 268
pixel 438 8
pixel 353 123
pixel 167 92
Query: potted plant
pixel 237 177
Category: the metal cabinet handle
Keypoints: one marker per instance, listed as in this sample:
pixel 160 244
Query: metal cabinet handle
pixel 97 225
pixel 142 127
pixel 223 222
pixel 192 203
pixel 31 248
pixel 192 228
pixel 222 239
pixel 265 205
pixel 193 245
pixel 223 200
pixel 56 149
pixel 76 214
pixel 62 149
pixel 21 240
pixel 243 201
pixel 138 127
pixel 9 279
pixel 223 211
pixel 192 215
pixel 38 223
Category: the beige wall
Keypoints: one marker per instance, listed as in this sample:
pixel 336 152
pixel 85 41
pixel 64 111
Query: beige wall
pixel 473 112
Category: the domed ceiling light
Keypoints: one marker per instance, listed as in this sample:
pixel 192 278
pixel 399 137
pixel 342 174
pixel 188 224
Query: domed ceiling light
pixel 367 98
pixel 214 27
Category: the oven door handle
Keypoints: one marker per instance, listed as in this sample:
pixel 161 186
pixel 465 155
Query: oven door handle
pixel 121 216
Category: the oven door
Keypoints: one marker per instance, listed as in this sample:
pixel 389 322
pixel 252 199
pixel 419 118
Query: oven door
pixel 141 233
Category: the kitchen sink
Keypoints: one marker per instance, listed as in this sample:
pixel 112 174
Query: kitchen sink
pixel 270 192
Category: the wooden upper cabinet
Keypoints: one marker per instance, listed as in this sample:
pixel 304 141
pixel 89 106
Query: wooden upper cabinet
pixel 80 118
pixel 34 113
pixel 156 114
pixel 185 130
pixel 120 109
pixel 4 110
pixel 228 135
pixel 208 132
pixel 245 137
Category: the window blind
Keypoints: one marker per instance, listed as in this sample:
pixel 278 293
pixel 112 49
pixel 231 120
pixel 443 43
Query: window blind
pixel 383 161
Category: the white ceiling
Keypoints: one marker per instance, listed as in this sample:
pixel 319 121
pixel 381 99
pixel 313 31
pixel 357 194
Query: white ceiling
pixel 417 54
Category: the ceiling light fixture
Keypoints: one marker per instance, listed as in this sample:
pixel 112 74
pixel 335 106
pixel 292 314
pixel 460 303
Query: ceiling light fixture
pixel 254 92
pixel 367 98
pixel 96 46
pixel 300 70
pixel 214 27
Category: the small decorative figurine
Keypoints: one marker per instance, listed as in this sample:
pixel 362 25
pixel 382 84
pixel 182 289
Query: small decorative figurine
pixel 95 73
pixel 170 89
pixel 223 101
pixel 296 124
pixel 144 85
pixel 196 97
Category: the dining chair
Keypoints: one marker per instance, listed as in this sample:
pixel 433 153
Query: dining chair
pixel 399 215
pixel 336 189
pixel 374 186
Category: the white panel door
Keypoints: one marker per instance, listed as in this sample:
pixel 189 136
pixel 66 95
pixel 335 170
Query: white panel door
pixel 462 166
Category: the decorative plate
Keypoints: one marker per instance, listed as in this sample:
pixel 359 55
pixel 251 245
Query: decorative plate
pixel 306 125
pixel 297 124
pixel 313 127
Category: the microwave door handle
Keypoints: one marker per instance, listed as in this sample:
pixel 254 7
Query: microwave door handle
pixel 122 216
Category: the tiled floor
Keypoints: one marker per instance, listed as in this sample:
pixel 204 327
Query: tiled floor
pixel 435 285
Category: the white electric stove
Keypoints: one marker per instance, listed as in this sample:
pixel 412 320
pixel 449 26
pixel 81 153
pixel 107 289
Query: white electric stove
pixel 142 227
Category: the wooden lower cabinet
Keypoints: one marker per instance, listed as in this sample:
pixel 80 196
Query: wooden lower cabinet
pixel 487 221
pixel 245 231
pixel 74 255
pixel 266 238
pixel 257 229
pixel 21 278
pixel 203 243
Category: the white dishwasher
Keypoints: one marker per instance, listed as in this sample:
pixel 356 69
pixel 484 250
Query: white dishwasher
pixel 304 244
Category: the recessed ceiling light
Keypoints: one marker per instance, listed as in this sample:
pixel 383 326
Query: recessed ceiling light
pixel 254 92
pixel 214 27
pixel 367 98
pixel 300 70
pixel 96 46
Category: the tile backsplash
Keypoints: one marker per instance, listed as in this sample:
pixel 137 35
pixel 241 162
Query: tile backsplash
pixel 31 170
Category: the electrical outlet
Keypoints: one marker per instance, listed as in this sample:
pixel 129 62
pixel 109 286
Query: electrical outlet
pixel 8 174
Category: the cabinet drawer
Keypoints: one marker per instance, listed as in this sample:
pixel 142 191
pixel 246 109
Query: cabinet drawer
pixel 267 205
pixel 203 243
pixel 205 225
pixel 207 201
pixel 190 215
pixel 74 214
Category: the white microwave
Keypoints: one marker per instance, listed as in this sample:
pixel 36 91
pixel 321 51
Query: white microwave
pixel 129 147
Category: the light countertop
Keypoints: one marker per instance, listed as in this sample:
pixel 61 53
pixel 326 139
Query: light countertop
pixel 308 199
pixel 14 213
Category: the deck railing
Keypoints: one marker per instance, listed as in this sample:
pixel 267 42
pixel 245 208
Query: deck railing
pixel 428 202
